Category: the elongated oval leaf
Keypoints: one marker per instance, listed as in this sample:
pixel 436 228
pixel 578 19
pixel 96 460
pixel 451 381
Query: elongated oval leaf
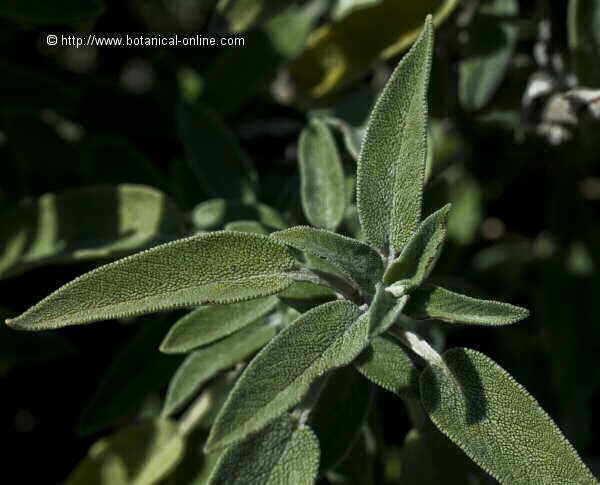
pixel 214 154
pixel 142 454
pixel 386 363
pixel 495 421
pixel 321 339
pixel 205 363
pixel 492 41
pixel 207 324
pixel 84 224
pixel 384 310
pixel 321 176
pixel 421 252
pixel 42 12
pixel 391 167
pixel 281 454
pixel 356 259
pixel 441 304
pixel 220 267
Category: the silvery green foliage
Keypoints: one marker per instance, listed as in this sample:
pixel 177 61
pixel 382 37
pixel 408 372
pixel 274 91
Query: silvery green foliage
pixel 321 175
pixel 359 301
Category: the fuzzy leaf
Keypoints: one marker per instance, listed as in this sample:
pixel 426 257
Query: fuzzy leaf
pixel 321 176
pixel 441 304
pixel 492 41
pixel 303 295
pixel 43 12
pixel 384 310
pixel 208 324
pixel 386 363
pixel 142 454
pixel 421 252
pixel 205 363
pixel 339 426
pixel 392 161
pixel 280 454
pixel 356 259
pixel 497 423
pixel 135 372
pixel 83 224
pixel 214 154
pixel 322 339
pixel 220 267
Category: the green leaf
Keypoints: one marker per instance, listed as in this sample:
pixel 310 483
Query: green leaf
pixel 216 213
pixel 84 224
pixel 356 259
pixel 441 304
pixel 136 371
pixel 497 423
pixel 303 295
pixel 421 252
pixel 391 166
pixel 492 41
pixel 339 415
pixel 142 454
pixel 384 310
pixel 58 12
pixel 386 363
pixel 215 268
pixel 322 339
pixel 283 453
pixel 214 154
pixel 321 176
pixel 203 364
pixel 246 226
pixel 208 324
pixel 584 39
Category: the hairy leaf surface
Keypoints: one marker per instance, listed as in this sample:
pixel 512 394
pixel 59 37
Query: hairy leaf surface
pixel 356 259
pixel 220 267
pixel 205 363
pixel 384 310
pixel 281 454
pixel 439 303
pixel 495 421
pixel 207 324
pixel 321 176
pixel 324 338
pixel 86 223
pixel 392 161
pixel 421 252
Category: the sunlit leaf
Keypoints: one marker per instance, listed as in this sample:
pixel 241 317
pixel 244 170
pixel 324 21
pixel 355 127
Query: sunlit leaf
pixel 321 176
pixel 215 268
pixel 391 166
pixel 441 304
pixel 84 224
pixel 497 423
pixel 320 340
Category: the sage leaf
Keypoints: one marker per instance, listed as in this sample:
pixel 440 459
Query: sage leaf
pixel 142 454
pixel 220 267
pixel 135 372
pixel 322 339
pixel 441 304
pixel 391 167
pixel 304 295
pixel 203 364
pixel 384 310
pixel 321 176
pixel 497 423
pixel 214 154
pixel 283 453
pixel 42 12
pixel 85 224
pixel 210 323
pixel 386 363
pixel 356 259
pixel 492 41
pixel 217 213
pixel 337 426
pixel 421 252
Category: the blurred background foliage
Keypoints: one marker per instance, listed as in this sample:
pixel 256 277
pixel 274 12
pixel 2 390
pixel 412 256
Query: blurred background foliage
pixel 107 151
